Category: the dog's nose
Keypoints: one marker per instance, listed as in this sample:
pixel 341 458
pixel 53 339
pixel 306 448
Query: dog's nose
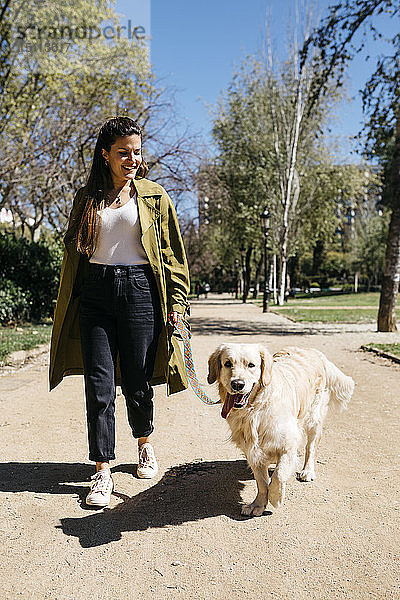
pixel 237 384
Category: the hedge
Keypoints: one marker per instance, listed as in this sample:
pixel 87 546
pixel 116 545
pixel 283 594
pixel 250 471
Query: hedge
pixel 29 276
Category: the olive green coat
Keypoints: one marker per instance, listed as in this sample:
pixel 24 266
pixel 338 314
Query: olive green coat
pixel 163 245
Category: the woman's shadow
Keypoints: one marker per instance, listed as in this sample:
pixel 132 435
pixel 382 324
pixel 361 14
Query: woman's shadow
pixel 188 492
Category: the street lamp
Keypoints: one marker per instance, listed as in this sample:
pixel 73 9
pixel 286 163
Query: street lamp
pixel 265 224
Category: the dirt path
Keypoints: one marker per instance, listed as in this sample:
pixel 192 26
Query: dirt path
pixel 181 535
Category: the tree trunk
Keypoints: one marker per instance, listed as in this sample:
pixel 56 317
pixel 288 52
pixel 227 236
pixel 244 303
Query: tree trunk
pixel 257 277
pixel 282 285
pixel 247 274
pixel 271 278
pixel 391 275
pixel 293 271
pixel 319 254
pixel 283 265
pixel 5 192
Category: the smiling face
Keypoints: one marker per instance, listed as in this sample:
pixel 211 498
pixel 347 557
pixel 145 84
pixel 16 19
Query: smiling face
pixel 237 368
pixel 124 158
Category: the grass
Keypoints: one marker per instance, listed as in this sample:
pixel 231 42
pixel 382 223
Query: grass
pixel 366 299
pixel 361 299
pixel 390 348
pixel 340 308
pixel 328 315
pixel 25 337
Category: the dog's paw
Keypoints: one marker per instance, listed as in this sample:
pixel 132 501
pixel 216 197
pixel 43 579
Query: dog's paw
pixel 276 493
pixel 254 510
pixel 306 475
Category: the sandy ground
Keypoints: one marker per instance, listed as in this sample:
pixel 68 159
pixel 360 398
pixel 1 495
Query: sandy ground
pixel 182 535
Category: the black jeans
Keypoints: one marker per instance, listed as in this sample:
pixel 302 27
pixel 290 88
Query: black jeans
pixel 119 314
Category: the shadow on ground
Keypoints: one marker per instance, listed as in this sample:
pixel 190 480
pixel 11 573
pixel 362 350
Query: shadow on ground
pixel 209 326
pixel 188 492
pixel 46 478
pixel 216 302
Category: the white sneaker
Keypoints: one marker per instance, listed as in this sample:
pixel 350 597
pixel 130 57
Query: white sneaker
pixel 100 489
pixel 147 467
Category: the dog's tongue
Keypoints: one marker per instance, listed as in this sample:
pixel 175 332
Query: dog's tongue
pixel 228 404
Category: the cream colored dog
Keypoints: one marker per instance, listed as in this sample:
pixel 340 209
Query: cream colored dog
pixel 271 403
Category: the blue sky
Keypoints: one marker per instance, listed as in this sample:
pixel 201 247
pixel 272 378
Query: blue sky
pixel 196 45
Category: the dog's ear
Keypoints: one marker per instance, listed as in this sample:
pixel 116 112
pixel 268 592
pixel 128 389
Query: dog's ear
pixel 214 365
pixel 266 366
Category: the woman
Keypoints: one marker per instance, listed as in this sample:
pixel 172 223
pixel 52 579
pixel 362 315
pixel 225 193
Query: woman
pixel 124 279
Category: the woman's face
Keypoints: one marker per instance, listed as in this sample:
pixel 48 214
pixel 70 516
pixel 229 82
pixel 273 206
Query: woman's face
pixel 124 158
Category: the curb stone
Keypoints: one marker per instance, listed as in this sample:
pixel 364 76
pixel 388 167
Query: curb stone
pixel 20 357
pixel 382 353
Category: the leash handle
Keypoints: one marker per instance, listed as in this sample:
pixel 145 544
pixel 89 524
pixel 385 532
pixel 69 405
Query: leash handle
pixel 185 334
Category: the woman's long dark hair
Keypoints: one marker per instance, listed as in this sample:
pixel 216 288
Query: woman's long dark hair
pixel 100 181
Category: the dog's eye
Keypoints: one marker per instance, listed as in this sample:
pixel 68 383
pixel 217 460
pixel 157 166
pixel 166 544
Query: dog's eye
pixel 251 365
pixel 228 364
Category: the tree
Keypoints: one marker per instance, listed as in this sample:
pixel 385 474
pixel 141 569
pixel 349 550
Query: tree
pixel 51 106
pixel 55 98
pixel 299 158
pixel 368 252
pixel 271 152
pixel 355 193
pixel 339 38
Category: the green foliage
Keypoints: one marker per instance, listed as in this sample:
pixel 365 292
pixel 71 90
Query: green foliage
pixel 335 268
pixel 340 36
pixel 369 244
pixel 33 268
pixel 252 131
pixel 14 303
pixel 54 101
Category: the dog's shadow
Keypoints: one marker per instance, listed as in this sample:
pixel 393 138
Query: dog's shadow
pixel 185 493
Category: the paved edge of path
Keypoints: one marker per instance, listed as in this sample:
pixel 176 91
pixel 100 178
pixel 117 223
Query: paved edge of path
pixel 381 353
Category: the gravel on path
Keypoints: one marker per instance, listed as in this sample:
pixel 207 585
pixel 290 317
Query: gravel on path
pixel 181 535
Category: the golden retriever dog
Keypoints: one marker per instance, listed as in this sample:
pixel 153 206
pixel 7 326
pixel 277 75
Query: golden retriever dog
pixel 273 404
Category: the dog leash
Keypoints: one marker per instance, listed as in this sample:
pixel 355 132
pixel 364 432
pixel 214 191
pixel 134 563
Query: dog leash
pixel 185 334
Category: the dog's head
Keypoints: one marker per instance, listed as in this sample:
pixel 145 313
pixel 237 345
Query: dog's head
pixel 239 368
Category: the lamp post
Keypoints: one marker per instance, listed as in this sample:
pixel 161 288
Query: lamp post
pixel 265 224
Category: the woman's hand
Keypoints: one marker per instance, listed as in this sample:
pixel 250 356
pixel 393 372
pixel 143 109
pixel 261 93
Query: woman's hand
pixel 172 319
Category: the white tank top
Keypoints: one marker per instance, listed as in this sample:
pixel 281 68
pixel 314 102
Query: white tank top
pixel 119 242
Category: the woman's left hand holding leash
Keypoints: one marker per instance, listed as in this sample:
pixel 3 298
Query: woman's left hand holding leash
pixel 172 319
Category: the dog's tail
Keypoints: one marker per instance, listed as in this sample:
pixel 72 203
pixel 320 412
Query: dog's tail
pixel 340 386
